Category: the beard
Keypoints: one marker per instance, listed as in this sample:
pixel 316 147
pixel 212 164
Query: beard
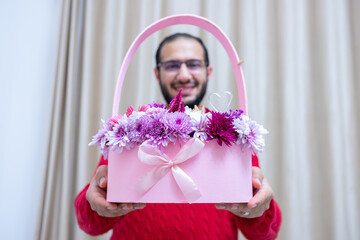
pixel 190 104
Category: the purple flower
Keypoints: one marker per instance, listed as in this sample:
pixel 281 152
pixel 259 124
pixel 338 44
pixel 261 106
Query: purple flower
pixel 178 124
pixel 157 105
pixel 221 128
pixel 101 138
pixel 250 133
pixel 138 129
pixel 118 138
pixel 235 114
pixel 157 133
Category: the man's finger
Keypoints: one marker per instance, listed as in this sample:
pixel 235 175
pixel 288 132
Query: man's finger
pixel 236 207
pixel 101 176
pixel 256 183
pixel 257 177
pixel 261 196
pixel 96 197
pixel 124 208
pixel 231 206
pixel 220 205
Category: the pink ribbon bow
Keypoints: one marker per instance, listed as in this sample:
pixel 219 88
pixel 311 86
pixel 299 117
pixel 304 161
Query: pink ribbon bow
pixel 163 164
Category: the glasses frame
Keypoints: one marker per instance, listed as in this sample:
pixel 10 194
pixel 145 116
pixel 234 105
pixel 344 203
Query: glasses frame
pixel 203 64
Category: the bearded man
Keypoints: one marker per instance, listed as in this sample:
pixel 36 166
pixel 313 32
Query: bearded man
pixel 182 62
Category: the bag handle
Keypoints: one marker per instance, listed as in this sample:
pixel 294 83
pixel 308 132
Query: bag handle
pixel 189 20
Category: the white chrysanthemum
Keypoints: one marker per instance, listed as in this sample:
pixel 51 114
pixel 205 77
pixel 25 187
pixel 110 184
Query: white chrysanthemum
pixel 250 133
pixel 199 120
pixel 136 115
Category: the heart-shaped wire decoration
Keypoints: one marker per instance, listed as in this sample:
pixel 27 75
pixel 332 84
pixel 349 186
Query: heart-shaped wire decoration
pixel 220 102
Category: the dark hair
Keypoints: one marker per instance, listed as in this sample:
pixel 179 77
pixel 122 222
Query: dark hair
pixel 181 35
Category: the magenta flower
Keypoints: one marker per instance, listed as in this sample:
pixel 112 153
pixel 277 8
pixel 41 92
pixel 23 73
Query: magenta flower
pixel 176 104
pixel 221 128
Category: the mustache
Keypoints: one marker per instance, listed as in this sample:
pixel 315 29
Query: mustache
pixel 177 83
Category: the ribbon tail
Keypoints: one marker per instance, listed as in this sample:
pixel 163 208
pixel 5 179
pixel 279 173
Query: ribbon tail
pixel 147 181
pixel 186 184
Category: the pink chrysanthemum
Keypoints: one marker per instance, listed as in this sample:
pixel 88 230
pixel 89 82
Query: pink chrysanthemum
pixel 143 108
pixel 115 120
pixel 221 128
pixel 129 110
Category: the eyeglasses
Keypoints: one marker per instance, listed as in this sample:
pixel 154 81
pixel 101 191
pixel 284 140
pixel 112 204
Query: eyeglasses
pixel 175 65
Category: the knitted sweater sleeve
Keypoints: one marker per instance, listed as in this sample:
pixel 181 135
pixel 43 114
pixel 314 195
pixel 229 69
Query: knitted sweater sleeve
pixel 265 227
pixel 89 221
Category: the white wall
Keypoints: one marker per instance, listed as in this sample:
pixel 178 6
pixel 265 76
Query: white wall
pixel 28 43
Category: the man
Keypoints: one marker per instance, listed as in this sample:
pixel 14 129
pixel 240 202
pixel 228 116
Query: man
pixel 192 76
pixel 181 63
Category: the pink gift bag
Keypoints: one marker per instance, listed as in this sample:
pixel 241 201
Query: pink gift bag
pixel 195 172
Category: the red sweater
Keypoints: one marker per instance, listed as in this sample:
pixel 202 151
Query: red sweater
pixel 178 221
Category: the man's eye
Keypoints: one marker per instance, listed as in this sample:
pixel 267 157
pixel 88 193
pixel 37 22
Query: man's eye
pixel 193 64
pixel 172 66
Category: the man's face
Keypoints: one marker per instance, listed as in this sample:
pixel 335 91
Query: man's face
pixel 191 77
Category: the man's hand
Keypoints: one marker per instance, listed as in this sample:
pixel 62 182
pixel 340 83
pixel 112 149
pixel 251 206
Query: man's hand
pixel 96 196
pixel 258 204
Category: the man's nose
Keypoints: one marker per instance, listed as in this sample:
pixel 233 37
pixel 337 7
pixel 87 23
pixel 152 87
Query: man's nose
pixel 184 73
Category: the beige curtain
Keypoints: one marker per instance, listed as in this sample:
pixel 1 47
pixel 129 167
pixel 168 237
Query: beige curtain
pixel 56 217
pixel 302 74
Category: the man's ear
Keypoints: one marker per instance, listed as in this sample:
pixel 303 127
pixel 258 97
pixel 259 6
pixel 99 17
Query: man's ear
pixel 209 71
pixel 157 74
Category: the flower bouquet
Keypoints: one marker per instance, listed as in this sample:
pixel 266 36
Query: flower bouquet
pixel 158 126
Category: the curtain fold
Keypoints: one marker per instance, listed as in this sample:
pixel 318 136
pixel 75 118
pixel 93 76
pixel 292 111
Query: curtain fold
pixel 302 78
pixel 56 218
